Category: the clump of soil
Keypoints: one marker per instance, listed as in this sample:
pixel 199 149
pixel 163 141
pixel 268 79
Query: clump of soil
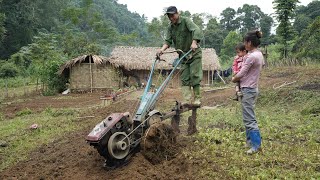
pixel 281 74
pixel 311 87
pixel 159 143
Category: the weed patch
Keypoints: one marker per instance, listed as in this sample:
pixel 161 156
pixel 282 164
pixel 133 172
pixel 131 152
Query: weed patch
pixel 289 122
pixel 311 87
pixel 60 112
pixel 24 112
pixel 315 111
pixel 21 140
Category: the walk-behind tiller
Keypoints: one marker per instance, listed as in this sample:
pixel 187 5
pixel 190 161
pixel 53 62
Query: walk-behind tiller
pixel 119 135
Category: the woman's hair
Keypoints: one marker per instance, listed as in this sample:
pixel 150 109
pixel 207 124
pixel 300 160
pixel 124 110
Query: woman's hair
pixel 240 47
pixel 253 37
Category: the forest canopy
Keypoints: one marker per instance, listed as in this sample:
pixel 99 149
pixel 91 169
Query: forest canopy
pixel 35 34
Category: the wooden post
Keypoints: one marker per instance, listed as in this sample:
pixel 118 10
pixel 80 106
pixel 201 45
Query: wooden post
pixel 208 75
pixel 212 72
pixel 91 81
pixel 221 78
pixel 6 81
pixel 24 88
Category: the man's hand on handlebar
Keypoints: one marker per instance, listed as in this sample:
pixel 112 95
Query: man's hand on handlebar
pixel 159 53
pixel 194 45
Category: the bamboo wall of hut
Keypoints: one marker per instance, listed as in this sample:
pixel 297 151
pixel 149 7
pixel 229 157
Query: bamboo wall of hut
pixel 86 76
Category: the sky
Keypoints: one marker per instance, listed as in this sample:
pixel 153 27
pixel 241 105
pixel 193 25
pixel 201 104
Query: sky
pixel 154 8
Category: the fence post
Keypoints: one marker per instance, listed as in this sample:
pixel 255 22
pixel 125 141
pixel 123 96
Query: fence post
pixel 6 82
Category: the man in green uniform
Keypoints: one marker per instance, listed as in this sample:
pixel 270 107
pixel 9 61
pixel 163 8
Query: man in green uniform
pixel 185 35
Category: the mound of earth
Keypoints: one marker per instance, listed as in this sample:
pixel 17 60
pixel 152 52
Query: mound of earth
pixel 159 143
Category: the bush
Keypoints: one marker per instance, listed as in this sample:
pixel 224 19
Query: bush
pixel 8 70
pixel 55 82
pixel 311 111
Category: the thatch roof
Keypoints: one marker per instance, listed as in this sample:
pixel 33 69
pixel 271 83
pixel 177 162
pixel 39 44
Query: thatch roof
pixel 99 60
pixel 141 58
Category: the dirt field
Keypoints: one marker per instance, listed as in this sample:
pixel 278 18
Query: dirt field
pixel 71 158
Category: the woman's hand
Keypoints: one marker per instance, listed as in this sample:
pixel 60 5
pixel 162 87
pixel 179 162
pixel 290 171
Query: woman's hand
pixel 235 79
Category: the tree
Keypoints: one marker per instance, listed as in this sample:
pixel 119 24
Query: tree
pixel 249 17
pixel 20 28
pixel 228 19
pixel 228 47
pixel 2 29
pixel 198 20
pixel 301 22
pixel 305 16
pixel 285 12
pixel 44 53
pixel 23 20
pixel 92 31
pixel 265 27
pixel 124 21
pixel 308 44
pixel 213 35
pixel 185 14
pixel 311 10
pixel 8 70
pixel 157 30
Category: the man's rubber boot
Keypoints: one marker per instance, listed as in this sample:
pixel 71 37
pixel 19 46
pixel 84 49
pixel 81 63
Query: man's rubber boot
pixel 187 94
pixel 197 95
pixel 255 138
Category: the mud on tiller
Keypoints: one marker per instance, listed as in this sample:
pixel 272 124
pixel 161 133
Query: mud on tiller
pixel 118 136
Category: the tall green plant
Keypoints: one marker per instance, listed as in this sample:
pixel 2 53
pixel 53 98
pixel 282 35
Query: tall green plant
pixel 213 35
pixel 308 45
pixel 228 48
pixel 266 23
pixel 249 17
pixel 228 21
pixel 8 70
pixel 55 82
pixel 285 13
pixel 45 55
pixel 24 19
pixel 2 28
pixel 157 29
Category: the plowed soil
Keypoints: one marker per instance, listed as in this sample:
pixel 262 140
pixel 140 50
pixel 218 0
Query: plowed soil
pixel 71 157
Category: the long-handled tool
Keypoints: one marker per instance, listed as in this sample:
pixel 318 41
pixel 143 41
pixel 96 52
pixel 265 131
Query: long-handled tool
pixel 119 135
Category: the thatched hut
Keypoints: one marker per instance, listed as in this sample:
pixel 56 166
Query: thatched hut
pixel 128 65
pixel 90 72
pixel 137 62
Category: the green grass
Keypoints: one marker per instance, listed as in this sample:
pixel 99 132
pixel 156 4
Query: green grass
pixel 289 120
pixel 18 86
pixel 17 91
pixel 15 82
pixel 21 140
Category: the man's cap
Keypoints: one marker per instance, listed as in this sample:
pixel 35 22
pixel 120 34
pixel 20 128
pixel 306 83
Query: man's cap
pixel 172 10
